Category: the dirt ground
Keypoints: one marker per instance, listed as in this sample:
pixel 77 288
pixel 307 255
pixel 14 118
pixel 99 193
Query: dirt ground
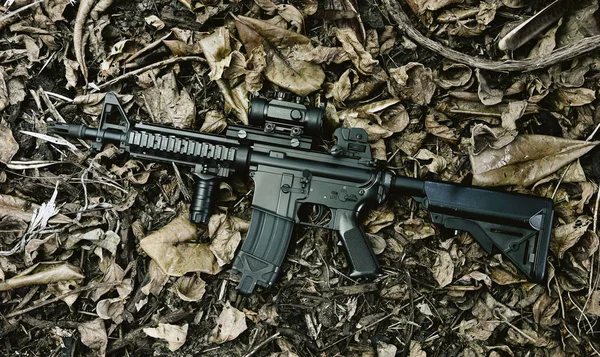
pixel 98 258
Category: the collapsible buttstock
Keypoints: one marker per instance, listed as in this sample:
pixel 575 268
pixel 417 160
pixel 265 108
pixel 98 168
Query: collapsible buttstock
pixel 518 226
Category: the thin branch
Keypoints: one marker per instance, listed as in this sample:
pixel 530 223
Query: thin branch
pixel 562 54
pixel 150 67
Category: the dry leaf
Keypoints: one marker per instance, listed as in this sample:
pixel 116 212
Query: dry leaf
pixel 453 75
pixel 435 163
pixel 421 6
pixel 297 76
pixel 41 274
pixel 93 335
pixel 572 97
pixel 155 22
pixel 443 269
pixel 190 288
pixel 377 220
pixel 320 54
pixel 513 112
pixel 214 122
pixel 593 307
pixel 8 144
pixel 254 74
pixel 362 60
pixel 526 160
pixel 4 97
pixel 433 126
pixel 386 349
pixel 544 309
pixel 225 239
pixel 230 324
pixel 173 334
pixel 169 105
pixel 567 235
pixel 158 279
pixel 415 350
pixel 412 82
pixel 487 94
pixel 217 50
pixel 171 249
pixel 111 309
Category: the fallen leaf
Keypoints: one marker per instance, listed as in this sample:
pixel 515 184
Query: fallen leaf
pixel 41 274
pixel 173 334
pixel 155 22
pixel 190 287
pixel 167 104
pixel 421 6
pixel 362 60
pixel 412 82
pixel 214 122
pixel 487 94
pixel 8 144
pixel 254 73
pixel 378 220
pixel 452 75
pixel 567 235
pixel 343 87
pixel 433 126
pixel 4 97
pixel 172 250
pixel 443 269
pixel 572 97
pixel 526 160
pixel 62 287
pixel 415 350
pixel 543 311
pixel 225 238
pixel 320 54
pixel 111 309
pixel 217 50
pixel 593 307
pixel 56 8
pixel 282 69
pixel 386 349
pixel 92 104
pixel 230 324
pixel 158 279
pixel 433 163
pixel 93 335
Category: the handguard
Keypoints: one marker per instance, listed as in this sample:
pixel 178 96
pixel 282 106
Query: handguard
pixel 259 260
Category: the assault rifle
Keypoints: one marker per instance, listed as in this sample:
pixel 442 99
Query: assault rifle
pixel 276 151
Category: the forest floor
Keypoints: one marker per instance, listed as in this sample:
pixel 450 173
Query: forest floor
pixel 98 258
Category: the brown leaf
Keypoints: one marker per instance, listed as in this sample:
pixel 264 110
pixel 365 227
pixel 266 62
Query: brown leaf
pixel 173 334
pixel 170 249
pixel 452 75
pixel 487 94
pixel 526 160
pixel 190 288
pixel 443 269
pixel 8 144
pixel 111 309
pixel 214 122
pixel 433 126
pixel 572 97
pixel 567 235
pixel 543 311
pixel 433 163
pixel 320 54
pixel 593 307
pixel 225 238
pixel 297 76
pixel 412 82
pixel 254 75
pixel 230 324
pixel 343 87
pixel 377 220
pixel 362 60
pixel 4 97
pixel 158 279
pixel 41 274
pixel 421 6
pixel 93 335
pixel 56 8
pixel 169 105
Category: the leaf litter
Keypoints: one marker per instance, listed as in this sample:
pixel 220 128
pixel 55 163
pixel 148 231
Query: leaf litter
pixel 100 247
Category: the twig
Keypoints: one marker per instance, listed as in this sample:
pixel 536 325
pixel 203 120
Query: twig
pixel 562 54
pixel 357 331
pixel 151 66
pixel 57 298
pixel 51 106
pixel 23 8
pixel 262 344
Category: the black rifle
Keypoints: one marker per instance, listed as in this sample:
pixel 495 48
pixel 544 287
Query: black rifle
pixel 289 177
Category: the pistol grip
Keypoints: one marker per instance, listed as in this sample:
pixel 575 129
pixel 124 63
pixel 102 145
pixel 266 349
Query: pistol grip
pixel 259 260
pixel 358 250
